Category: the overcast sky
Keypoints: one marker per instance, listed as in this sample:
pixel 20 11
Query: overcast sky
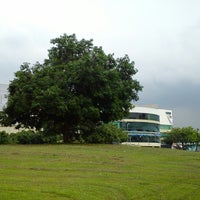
pixel 162 37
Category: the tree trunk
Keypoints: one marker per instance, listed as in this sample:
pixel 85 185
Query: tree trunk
pixel 68 134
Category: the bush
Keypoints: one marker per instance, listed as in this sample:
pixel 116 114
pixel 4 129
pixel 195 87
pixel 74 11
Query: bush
pixel 29 137
pixel 13 138
pixel 4 137
pixel 107 134
pixel 51 139
pixel 32 137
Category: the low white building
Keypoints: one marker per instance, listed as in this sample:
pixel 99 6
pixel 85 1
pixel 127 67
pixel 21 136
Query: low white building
pixel 3 95
pixel 3 100
pixel 164 117
pixel 146 126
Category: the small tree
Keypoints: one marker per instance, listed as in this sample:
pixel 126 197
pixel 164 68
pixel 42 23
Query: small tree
pixel 107 133
pixel 4 137
pixel 182 135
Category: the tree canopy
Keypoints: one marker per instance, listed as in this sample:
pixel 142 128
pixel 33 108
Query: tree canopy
pixel 183 135
pixel 76 88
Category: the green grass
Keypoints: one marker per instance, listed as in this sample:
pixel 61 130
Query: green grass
pixel 97 172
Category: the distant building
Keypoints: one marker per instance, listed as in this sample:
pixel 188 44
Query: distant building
pixel 146 126
pixel 3 95
pixel 3 101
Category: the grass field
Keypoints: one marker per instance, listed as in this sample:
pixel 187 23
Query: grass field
pixel 97 172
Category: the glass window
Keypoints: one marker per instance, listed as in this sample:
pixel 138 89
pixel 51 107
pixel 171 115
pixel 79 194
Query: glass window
pixel 146 116
pixel 168 113
pixel 140 126
pixel 165 127
pixel 144 138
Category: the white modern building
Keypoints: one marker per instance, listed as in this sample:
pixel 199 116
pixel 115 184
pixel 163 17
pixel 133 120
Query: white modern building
pixel 151 115
pixel 3 101
pixel 146 126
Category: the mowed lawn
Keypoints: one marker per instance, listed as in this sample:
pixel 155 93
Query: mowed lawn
pixel 97 172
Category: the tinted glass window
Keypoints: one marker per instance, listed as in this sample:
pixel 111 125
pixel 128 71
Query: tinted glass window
pixel 145 116
pixel 144 138
pixel 165 127
pixel 140 126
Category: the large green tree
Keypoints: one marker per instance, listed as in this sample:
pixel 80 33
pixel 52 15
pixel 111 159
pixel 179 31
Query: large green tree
pixel 78 87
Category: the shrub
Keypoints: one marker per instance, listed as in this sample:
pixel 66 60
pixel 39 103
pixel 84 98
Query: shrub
pixel 108 134
pixel 51 139
pixel 29 137
pixel 13 138
pixel 4 137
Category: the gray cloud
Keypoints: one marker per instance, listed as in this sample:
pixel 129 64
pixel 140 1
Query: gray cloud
pixel 183 98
